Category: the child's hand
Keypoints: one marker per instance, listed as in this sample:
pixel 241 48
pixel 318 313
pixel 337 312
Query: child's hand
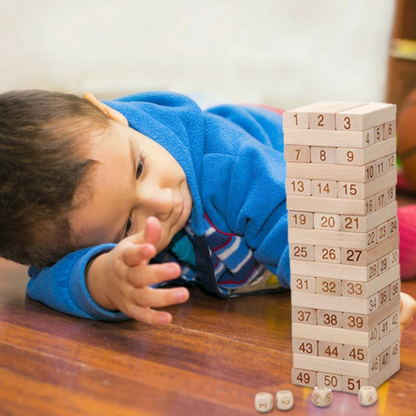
pixel 407 310
pixel 120 279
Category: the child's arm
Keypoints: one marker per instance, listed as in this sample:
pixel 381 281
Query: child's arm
pixel 117 285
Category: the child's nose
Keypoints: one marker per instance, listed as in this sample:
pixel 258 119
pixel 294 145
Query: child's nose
pixel 159 203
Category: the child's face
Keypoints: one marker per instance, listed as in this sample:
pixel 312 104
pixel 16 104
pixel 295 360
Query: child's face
pixel 136 178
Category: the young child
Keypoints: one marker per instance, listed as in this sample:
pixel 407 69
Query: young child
pixel 111 202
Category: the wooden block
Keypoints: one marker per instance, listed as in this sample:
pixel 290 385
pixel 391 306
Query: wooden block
pixel 327 254
pixel 384 294
pixel 394 320
pixel 383 264
pixel 384 328
pixel 304 315
pixel 302 377
pixel 324 118
pixel 297 154
pixel 324 189
pixel 298 118
pixel 330 287
pixel 362 322
pixel 390 130
pixel 381 166
pixel 392 226
pixel 384 358
pixel 340 335
pixel 395 350
pixel 298 219
pixel 355 139
pixel 359 257
pixel 330 350
pixel 364 290
pixel 329 205
pixel 351 174
pixel 368 354
pixel 360 224
pixel 382 232
pixel 329 381
pixel 391 194
pixel 378 133
pixel 326 222
pixel 323 154
pixel 366 116
pixel 302 283
pixel 305 346
pixel 353 273
pixel 360 157
pixel 298 186
pixel 391 159
pixel 302 252
pixel 349 368
pixel 335 304
pixel 331 238
pixel 393 258
pixel 395 289
pixel 381 199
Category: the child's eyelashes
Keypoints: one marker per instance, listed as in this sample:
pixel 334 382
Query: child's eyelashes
pixel 140 166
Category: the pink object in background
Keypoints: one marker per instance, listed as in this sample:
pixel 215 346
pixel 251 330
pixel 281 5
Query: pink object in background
pixel 407 230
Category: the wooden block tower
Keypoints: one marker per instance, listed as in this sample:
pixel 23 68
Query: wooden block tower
pixel 343 237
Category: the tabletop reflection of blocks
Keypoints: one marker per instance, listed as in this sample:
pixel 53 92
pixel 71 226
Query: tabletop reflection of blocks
pixel 343 237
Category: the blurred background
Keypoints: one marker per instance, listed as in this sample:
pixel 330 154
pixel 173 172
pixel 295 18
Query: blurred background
pixel 276 52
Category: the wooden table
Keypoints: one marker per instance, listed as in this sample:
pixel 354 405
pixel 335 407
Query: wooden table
pixel 212 360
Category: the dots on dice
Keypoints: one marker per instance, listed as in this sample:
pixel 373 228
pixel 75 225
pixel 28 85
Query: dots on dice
pixel 263 402
pixel 284 400
pixel 321 397
pixel 367 395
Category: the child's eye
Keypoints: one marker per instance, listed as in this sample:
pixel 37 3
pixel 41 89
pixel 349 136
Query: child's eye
pixel 129 227
pixel 140 166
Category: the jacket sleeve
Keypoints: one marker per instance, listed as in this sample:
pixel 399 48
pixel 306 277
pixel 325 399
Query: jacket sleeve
pixel 63 287
pixel 250 199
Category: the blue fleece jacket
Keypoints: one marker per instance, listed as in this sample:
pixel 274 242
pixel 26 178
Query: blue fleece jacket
pixel 233 159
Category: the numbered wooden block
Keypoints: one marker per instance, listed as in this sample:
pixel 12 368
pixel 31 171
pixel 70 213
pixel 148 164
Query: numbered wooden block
pixel 325 286
pixel 327 254
pixel 323 154
pixel 384 295
pixel 360 157
pixel 373 303
pixel 302 377
pixel 351 190
pixel 354 289
pixel 327 138
pixel 304 315
pixel 383 264
pixel 284 400
pixel 297 154
pixel 391 160
pixel 378 134
pixel 324 189
pixel 391 194
pixel 395 351
pixel 263 402
pixel 329 381
pixel 298 219
pixel 395 289
pixel 384 358
pixel 298 186
pixel 382 232
pixel 370 205
pixel 352 384
pixel 354 353
pixel 305 346
pixel 370 171
pixel 298 118
pixel 365 117
pixel 392 227
pixel 393 258
pixel 331 350
pixel 331 319
pixel 390 130
pixel 381 167
pixel 326 221
pixel 321 397
pixel 367 395
pixel 394 320
pixel 302 252
pixel 302 283
pixel 384 327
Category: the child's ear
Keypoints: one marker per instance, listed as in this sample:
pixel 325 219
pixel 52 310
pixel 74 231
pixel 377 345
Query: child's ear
pixel 110 112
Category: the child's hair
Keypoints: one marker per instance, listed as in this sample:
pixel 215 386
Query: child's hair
pixel 44 137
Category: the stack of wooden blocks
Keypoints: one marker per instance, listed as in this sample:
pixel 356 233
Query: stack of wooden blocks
pixel 343 237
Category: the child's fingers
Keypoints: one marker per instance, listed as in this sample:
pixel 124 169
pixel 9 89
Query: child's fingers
pixel 159 298
pixel 152 231
pixel 147 275
pixel 407 310
pixel 138 254
pixel 149 316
